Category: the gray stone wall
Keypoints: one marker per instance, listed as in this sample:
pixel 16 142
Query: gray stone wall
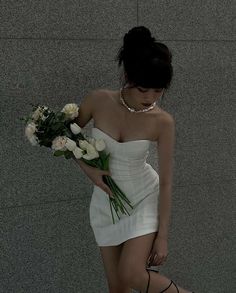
pixel 53 52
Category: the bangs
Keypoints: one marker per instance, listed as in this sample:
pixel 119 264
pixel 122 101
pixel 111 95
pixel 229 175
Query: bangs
pixel 154 74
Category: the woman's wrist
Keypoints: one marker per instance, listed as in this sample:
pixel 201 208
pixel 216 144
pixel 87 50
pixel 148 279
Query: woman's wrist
pixel 162 236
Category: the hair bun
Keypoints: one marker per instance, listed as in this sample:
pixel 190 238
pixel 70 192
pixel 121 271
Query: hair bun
pixel 138 36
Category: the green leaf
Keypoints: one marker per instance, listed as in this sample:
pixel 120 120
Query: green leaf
pixel 58 153
pixel 106 162
pixel 60 115
pixel 68 154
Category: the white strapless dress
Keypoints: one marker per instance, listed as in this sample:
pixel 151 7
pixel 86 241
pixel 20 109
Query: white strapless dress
pixel 140 183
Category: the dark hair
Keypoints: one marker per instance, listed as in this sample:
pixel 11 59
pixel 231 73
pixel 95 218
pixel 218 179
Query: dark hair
pixel 147 62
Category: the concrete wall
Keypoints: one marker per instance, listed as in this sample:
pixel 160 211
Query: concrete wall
pixel 53 52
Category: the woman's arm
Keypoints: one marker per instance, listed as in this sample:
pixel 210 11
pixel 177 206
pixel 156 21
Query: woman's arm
pixel 166 143
pixel 86 110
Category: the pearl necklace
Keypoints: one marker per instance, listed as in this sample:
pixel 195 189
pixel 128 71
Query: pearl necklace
pixel 132 109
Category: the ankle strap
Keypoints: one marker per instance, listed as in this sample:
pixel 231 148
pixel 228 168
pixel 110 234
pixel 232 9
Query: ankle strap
pixel 169 287
pixel 162 290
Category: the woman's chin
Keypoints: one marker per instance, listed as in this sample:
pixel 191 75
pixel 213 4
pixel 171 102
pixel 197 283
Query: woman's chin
pixel 146 105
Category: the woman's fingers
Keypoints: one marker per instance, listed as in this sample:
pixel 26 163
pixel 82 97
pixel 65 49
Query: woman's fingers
pixel 155 260
pixel 105 188
pixel 150 259
pixel 101 182
pixel 160 260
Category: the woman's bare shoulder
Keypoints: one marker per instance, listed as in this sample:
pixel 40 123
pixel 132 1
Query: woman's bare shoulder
pixel 99 92
pixel 166 121
pixel 167 117
pixel 163 118
pixel 102 91
pixel 102 95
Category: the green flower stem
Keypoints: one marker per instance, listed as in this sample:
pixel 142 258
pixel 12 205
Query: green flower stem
pixel 115 208
pixel 122 194
pixel 111 212
pixel 120 191
pixel 114 186
pixel 124 198
pixel 109 183
pixel 119 202
pixel 117 196
pixel 123 208
pixel 116 201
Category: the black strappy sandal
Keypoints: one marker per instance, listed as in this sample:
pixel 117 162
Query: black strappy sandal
pixel 165 288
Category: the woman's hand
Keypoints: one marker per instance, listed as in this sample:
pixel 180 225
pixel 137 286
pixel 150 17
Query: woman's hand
pixel 95 175
pixel 159 252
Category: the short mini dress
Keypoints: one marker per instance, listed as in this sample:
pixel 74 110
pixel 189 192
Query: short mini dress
pixel 140 183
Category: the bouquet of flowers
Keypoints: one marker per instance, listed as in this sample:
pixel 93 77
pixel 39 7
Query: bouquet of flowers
pixel 58 131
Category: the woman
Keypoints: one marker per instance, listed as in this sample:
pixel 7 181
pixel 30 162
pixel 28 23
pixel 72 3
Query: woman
pixel 129 120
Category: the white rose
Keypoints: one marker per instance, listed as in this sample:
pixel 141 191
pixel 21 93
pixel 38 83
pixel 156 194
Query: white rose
pixel 100 144
pixel 59 143
pixel 74 127
pixel 83 144
pixel 34 140
pixel 92 140
pixel 30 129
pixel 78 152
pixel 44 117
pixel 71 110
pixel 91 153
pixel 70 144
pixel 38 113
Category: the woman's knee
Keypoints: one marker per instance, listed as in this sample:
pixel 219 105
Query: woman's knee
pixel 132 277
pixel 121 288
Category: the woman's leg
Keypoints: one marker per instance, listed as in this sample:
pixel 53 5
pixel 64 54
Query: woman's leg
pixel 110 257
pixel 133 271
